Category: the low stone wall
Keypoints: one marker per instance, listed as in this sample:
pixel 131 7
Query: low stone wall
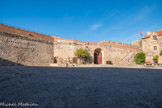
pixel 22 50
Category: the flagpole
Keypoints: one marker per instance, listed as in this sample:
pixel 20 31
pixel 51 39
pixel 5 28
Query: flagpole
pixel 141 38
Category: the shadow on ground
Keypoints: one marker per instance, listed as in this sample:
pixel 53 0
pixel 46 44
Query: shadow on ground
pixel 5 62
pixel 94 87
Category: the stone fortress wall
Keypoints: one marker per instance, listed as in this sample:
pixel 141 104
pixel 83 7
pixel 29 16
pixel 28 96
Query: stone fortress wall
pixel 117 53
pixel 23 47
pixel 30 48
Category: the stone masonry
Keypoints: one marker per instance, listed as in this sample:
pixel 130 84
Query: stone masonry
pixel 29 48
pixel 151 45
pixel 117 53
pixel 16 47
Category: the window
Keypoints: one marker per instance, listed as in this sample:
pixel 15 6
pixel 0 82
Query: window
pixel 155 47
pixel 154 38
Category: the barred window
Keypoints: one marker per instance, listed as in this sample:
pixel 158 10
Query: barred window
pixel 154 38
pixel 155 47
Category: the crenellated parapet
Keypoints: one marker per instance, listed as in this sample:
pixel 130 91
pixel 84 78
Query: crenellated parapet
pixel 25 33
pixel 113 44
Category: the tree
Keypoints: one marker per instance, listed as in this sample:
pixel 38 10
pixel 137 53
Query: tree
pixel 82 54
pixel 139 58
pixel 155 58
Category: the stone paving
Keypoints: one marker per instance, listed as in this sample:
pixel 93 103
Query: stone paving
pixel 120 66
pixel 100 87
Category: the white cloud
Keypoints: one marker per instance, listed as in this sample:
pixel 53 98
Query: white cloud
pixel 96 26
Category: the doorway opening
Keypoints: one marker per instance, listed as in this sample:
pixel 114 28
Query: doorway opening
pixel 97 56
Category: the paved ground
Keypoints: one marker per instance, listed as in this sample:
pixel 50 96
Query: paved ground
pixel 123 66
pixel 81 87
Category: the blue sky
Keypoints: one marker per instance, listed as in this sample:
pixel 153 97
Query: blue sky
pixel 85 20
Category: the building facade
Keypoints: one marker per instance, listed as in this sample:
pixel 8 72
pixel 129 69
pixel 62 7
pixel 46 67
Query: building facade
pixel 152 45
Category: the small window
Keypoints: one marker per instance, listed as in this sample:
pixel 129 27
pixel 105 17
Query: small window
pixel 154 38
pixel 155 47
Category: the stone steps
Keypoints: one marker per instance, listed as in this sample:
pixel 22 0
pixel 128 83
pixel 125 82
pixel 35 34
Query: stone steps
pixel 62 65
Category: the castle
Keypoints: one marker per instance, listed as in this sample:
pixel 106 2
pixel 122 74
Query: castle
pixel 34 49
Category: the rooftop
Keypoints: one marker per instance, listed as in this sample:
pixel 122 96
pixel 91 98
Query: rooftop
pixel 158 33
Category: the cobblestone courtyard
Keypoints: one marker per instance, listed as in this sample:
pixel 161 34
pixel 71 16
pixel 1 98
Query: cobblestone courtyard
pixel 82 87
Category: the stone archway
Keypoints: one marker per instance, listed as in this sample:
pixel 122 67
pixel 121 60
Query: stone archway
pixel 97 56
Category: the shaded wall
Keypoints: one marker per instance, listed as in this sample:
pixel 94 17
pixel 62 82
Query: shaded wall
pixel 25 50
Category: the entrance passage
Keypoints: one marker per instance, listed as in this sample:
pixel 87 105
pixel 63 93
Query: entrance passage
pixel 97 56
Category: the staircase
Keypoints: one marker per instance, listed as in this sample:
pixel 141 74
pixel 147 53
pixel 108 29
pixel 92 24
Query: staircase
pixel 128 59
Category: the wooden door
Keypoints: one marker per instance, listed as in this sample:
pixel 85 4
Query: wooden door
pixel 100 58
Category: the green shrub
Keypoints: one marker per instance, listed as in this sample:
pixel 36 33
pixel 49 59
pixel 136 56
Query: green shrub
pixel 139 58
pixel 161 53
pixel 82 53
pixel 156 57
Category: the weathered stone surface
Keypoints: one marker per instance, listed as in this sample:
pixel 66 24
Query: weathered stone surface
pixel 148 44
pixel 30 48
pixel 23 50
pixel 118 53
pixel 137 43
pixel 160 60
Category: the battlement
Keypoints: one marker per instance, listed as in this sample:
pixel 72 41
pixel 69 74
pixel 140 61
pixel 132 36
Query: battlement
pixel 35 35
pixel 114 44
pixel 70 40
pixel 26 33
pixel 121 45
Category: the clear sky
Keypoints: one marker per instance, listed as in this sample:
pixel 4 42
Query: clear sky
pixel 85 20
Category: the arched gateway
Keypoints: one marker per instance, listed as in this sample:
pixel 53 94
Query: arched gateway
pixel 97 56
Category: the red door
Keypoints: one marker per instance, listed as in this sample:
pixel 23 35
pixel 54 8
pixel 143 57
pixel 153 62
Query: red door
pixel 100 58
